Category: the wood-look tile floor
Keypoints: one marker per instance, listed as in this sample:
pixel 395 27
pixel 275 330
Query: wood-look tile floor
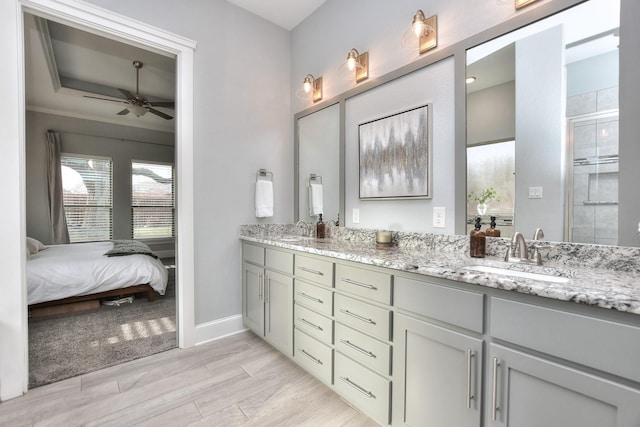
pixel 238 380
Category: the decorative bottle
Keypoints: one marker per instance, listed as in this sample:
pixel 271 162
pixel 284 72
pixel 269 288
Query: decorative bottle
pixel 477 241
pixel 320 228
pixel 492 231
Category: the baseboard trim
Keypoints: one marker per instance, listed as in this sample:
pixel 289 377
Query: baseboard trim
pixel 219 328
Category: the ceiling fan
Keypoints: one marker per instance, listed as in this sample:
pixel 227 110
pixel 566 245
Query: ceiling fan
pixel 138 104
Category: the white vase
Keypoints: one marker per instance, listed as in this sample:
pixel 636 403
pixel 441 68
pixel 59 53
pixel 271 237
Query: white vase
pixel 482 208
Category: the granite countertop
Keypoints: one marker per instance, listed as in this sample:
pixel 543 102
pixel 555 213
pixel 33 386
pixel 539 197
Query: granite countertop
pixel 606 288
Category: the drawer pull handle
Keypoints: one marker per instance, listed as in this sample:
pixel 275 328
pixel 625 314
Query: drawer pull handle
pixel 355 347
pixel 357 316
pixel 470 395
pixel 357 387
pixel 318 361
pixel 306 322
pixel 362 285
pixel 308 270
pixel 314 299
pixel 494 390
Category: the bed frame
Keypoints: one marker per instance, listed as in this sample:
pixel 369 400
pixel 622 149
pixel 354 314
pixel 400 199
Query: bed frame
pixel 68 302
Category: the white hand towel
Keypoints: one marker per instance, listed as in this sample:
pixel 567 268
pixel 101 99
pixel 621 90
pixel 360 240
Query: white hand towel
pixel 264 198
pixel 315 199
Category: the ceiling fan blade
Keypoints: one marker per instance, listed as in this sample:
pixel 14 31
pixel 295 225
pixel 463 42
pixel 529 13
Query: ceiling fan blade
pixel 128 94
pixel 168 104
pixel 159 114
pixel 106 99
pixel 124 112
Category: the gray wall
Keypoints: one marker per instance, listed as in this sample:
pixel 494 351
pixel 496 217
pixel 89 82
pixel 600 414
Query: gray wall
pixel 78 136
pixel 491 114
pixel 592 74
pixel 242 122
pixel 540 100
pixel 394 97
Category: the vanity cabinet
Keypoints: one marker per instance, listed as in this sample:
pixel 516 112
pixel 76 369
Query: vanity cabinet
pixel 437 369
pixel 530 391
pixel 563 372
pixel 267 287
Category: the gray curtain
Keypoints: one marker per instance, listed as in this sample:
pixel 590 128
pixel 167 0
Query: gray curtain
pixel 58 233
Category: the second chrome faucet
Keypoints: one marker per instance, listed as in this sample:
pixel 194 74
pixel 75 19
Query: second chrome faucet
pixel 517 250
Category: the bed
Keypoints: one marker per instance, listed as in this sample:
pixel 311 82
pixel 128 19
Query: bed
pixel 67 273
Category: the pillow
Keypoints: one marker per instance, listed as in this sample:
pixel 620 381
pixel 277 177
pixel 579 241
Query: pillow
pixel 34 246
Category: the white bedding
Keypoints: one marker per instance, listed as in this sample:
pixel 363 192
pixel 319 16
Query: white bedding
pixel 62 271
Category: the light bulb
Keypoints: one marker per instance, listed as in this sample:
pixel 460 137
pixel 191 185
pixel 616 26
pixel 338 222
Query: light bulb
pixel 307 83
pixel 418 28
pixel 351 62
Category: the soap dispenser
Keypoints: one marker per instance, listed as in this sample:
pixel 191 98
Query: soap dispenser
pixel 320 228
pixel 477 241
pixel 492 231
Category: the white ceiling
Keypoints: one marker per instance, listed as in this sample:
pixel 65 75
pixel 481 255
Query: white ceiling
pixel 285 13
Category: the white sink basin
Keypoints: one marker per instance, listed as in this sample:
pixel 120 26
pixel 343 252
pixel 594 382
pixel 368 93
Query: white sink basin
pixel 515 273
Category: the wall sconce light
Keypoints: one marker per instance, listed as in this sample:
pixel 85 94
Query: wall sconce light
pixel 357 63
pixel 522 3
pixel 423 32
pixel 310 86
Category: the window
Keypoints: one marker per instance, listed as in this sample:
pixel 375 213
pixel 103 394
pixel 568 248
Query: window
pixel 152 200
pixel 87 196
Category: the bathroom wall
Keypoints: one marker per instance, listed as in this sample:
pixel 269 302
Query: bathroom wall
pixel 397 96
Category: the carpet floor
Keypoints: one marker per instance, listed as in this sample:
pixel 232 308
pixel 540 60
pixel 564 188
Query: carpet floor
pixel 68 345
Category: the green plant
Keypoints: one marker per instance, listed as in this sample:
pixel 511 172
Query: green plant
pixel 485 195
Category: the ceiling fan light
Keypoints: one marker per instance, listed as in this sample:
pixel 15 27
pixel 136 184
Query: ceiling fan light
pixel 137 110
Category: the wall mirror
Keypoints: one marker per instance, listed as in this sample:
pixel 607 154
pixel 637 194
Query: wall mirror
pixel 318 163
pixel 542 127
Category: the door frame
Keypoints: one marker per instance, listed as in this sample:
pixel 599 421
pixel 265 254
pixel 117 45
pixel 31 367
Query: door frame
pixel 14 370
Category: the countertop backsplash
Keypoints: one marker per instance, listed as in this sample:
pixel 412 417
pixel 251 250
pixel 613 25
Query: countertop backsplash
pixel 557 254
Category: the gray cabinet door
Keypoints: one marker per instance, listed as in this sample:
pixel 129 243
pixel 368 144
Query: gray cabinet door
pixel 279 311
pixel 436 374
pixel 252 298
pixel 528 391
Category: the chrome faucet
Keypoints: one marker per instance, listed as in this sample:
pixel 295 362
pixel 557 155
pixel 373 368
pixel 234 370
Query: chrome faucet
pixel 519 245
pixel 307 228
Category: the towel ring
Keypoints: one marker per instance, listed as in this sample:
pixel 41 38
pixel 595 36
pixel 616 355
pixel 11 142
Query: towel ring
pixel 263 173
pixel 314 177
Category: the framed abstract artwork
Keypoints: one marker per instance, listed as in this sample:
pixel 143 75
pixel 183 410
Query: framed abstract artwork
pixel 395 155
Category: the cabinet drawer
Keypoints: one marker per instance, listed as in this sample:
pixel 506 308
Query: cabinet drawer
pixel 315 270
pixel 609 346
pixel 313 356
pixel 278 260
pixel 315 297
pixel 363 348
pixel 253 253
pixel 435 301
pixel 365 283
pixel 314 324
pixel 365 317
pixel 360 386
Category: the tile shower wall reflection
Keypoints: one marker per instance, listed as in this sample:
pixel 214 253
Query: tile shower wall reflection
pixel 594 134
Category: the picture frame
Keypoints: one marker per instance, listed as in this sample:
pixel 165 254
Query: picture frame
pixel 395 156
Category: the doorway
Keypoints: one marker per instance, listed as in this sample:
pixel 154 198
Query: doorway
pixel 13 360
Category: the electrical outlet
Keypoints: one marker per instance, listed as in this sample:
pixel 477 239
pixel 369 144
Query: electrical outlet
pixel 535 192
pixel 438 217
pixel 356 216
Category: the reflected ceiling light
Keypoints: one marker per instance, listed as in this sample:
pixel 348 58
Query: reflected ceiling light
pixel 310 86
pixel 422 33
pixel 470 79
pixel 357 63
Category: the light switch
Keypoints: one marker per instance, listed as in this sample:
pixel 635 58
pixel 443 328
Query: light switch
pixel 438 217
pixel 356 216
pixel 535 192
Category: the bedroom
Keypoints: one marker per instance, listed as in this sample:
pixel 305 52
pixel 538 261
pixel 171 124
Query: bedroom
pixel 129 150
